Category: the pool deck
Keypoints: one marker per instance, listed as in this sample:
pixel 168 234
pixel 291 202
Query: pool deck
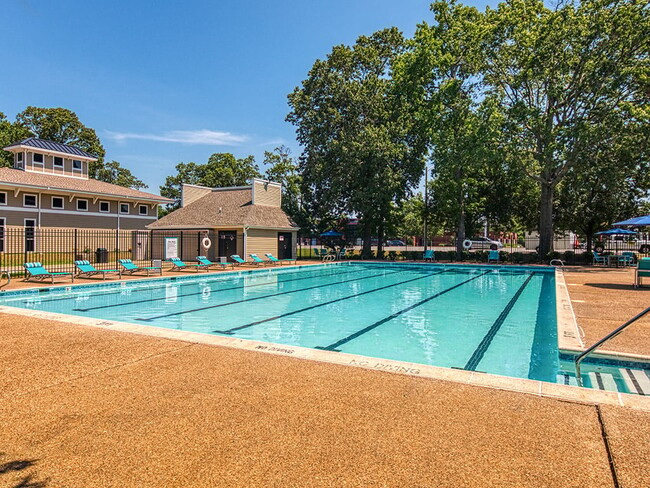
pixel 85 406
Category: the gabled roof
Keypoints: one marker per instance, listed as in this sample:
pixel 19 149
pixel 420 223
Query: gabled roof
pixel 43 181
pixel 51 146
pixel 219 208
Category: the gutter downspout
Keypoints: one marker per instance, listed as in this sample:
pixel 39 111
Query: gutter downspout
pixel 245 239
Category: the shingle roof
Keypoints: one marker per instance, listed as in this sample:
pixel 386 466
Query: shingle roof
pixel 224 208
pixel 51 146
pixel 18 177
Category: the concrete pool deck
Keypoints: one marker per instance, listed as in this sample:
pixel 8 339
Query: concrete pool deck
pixel 83 406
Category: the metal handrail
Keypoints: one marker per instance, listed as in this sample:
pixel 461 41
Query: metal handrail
pixel 609 336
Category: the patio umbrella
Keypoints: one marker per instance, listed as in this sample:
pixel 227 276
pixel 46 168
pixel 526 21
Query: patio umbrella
pixel 331 233
pixel 616 232
pixel 644 220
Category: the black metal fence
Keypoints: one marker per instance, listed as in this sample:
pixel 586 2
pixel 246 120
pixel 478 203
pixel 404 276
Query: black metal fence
pixel 571 249
pixel 57 249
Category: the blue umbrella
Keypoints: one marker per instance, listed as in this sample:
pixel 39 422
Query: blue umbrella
pixel 616 232
pixel 331 233
pixel 645 220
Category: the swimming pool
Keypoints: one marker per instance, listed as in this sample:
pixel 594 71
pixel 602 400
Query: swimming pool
pixel 491 319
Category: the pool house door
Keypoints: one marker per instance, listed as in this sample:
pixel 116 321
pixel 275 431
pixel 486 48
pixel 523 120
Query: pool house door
pixel 284 245
pixel 227 243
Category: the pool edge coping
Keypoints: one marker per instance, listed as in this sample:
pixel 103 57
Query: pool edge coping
pixel 473 378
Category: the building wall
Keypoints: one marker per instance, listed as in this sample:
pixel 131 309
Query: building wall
pixel 267 193
pixel 191 193
pixel 262 241
pixel 48 166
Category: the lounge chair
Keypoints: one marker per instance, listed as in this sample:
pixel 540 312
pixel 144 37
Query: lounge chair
pixel 642 271
pixel 84 268
pixel 626 258
pixel 429 255
pixel 130 268
pixel 38 272
pixel 600 259
pixel 493 256
pixel 274 260
pixel 256 259
pixel 343 254
pixel 238 261
pixel 204 260
pixel 179 265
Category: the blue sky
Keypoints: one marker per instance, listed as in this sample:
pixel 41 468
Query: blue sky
pixel 170 81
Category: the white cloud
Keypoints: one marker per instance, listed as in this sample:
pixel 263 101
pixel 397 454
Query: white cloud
pixel 211 137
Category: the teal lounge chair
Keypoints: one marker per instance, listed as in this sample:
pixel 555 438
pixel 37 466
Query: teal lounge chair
pixel 238 261
pixel 600 259
pixel 39 273
pixel 256 259
pixel 130 268
pixel 429 255
pixel 493 256
pixel 274 260
pixel 642 271
pixel 626 258
pixel 84 268
pixel 343 254
pixel 208 263
pixel 178 265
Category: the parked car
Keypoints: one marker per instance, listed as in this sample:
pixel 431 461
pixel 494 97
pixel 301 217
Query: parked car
pixel 395 243
pixel 483 243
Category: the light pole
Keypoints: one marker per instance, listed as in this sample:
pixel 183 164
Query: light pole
pixel 426 203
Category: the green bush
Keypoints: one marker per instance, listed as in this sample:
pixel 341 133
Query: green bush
pixel 517 257
pixel 392 255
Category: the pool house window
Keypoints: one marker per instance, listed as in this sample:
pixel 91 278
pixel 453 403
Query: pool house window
pixel 82 205
pixel 3 198
pixel 104 207
pixel 58 162
pixel 76 165
pixel 38 159
pixel 143 210
pixel 29 200
pixel 124 208
pixel 57 203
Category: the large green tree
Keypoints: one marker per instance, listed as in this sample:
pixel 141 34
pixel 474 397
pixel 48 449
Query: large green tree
pixel 557 73
pixel 113 172
pixel 221 170
pixel 359 157
pixel 9 133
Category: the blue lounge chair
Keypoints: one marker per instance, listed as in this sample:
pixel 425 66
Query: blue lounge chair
pixel 626 258
pixel 39 273
pixel 256 259
pixel 84 268
pixel 204 260
pixel 130 268
pixel 493 256
pixel 429 255
pixel 238 261
pixel 343 254
pixel 274 260
pixel 600 259
pixel 178 265
pixel 642 271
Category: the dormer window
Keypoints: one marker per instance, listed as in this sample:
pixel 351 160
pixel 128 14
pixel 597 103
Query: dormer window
pixel 58 162
pixel 76 165
pixel 38 159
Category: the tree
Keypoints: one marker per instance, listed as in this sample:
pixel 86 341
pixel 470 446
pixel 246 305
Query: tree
pixel 9 133
pixel 282 169
pixel 114 173
pixel 558 73
pixel 359 156
pixel 63 126
pixel 221 170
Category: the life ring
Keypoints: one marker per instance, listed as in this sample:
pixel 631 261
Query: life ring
pixel 467 244
pixel 206 242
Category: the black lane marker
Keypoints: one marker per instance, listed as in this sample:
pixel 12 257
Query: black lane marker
pixel 234 329
pixel 480 351
pixel 333 347
pixel 217 290
pixel 149 319
pixel 181 283
pixel 634 382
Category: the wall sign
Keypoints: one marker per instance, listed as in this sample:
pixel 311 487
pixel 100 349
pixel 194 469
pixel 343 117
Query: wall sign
pixel 171 247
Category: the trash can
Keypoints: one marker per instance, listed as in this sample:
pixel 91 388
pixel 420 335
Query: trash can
pixel 101 255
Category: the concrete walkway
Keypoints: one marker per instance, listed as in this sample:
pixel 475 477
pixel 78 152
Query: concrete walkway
pixel 87 407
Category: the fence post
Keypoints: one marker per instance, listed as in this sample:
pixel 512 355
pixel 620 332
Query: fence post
pixel 181 256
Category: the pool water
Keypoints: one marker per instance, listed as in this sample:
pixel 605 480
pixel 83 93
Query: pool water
pixel 496 320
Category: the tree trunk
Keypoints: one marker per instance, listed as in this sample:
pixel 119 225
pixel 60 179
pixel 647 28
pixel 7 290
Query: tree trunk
pixel 366 250
pixel 546 221
pixel 380 240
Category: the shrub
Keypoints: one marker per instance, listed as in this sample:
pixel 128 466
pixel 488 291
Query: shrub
pixel 392 255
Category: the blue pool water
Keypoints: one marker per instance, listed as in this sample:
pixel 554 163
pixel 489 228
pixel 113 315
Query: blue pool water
pixel 490 319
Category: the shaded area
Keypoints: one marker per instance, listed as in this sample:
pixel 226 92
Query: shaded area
pixel 12 473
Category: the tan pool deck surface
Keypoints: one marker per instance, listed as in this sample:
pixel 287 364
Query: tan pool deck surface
pixel 83 407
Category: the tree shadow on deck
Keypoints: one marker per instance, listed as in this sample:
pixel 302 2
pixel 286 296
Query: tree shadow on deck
pixel 26 480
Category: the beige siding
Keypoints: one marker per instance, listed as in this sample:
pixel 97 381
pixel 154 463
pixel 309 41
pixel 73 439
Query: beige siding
pixel 192 193
pixel 267 194
pixel 48 166
pixel 262 241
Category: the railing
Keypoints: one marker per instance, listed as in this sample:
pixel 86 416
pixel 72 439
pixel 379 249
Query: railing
pixel 609 336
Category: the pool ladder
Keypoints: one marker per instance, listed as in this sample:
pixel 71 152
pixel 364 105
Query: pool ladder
pixel 609 336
